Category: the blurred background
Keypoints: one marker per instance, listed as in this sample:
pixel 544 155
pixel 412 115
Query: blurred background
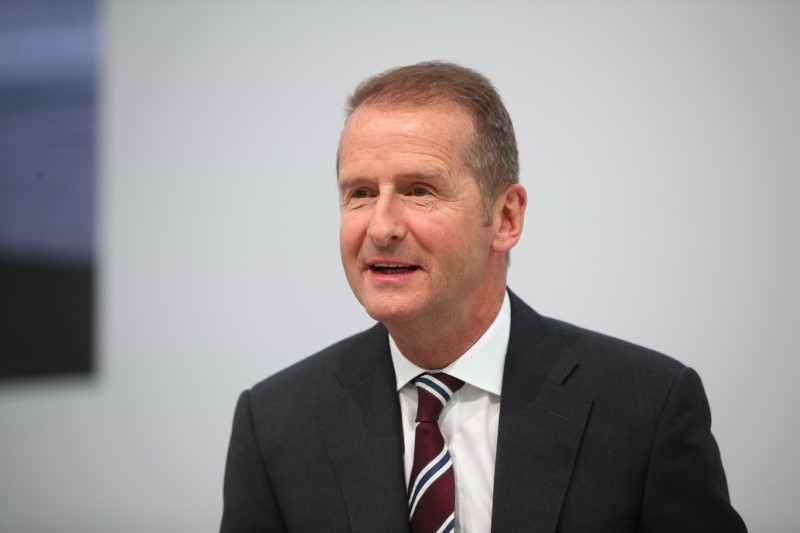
pixel 48 152
pixel 659 143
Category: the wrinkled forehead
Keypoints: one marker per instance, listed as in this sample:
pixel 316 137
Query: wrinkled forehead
pixel 441 123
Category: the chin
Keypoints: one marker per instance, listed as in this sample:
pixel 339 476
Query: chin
pixel 388 312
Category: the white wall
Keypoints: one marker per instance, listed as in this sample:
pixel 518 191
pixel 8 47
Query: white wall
pixel 659 145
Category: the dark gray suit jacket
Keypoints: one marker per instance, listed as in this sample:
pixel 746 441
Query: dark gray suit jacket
pixel 595 435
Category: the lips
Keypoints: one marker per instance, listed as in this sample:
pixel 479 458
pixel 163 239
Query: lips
pixel 390 268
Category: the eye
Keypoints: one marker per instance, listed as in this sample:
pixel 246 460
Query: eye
pixel 420 191
pixel 359 193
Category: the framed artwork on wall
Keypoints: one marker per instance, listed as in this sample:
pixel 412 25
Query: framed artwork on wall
pixel 48 176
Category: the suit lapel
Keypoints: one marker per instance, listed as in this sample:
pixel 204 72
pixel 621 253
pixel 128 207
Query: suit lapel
pixel 540 429
pixel 363 435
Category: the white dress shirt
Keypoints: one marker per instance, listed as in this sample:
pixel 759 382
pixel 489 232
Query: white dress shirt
pixel 468 422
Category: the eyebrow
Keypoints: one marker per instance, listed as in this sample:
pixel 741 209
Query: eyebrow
pixel 424 174
pixel 347 183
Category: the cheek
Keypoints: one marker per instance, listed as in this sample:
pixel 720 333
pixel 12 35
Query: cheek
pixel 467 247
pixel 350 237
pixel 432 230
pixel 446 234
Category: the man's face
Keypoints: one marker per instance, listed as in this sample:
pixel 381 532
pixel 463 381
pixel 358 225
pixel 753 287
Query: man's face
pixel 412 239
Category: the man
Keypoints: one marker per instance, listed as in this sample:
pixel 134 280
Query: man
pixel 519 422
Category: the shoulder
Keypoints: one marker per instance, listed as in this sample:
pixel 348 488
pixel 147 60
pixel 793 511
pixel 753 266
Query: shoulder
pixel 300 394
pixel 594 350
pixel 620 374
pixel 324 370
pixel 590 361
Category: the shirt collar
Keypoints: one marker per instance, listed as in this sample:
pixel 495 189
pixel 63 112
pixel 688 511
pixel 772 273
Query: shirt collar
pixel 480 366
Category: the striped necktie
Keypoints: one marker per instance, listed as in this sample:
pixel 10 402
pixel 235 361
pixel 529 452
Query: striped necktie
pixel 431 487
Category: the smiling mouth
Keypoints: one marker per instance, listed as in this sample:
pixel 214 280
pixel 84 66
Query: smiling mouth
pixel 392 269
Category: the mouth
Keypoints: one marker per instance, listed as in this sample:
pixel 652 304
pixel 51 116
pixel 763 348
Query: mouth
pixel 388 268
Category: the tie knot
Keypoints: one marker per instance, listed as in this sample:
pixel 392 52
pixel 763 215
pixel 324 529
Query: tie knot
pixel 434 391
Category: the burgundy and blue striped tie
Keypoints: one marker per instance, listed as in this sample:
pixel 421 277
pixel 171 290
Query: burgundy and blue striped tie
pixel 431 487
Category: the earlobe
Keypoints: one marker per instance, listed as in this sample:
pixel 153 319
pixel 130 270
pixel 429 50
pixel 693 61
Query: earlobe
pixel 509 218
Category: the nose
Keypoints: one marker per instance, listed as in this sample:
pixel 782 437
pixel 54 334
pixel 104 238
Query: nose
pixel 386 224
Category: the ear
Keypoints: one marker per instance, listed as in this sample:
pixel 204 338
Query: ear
pixel 509 217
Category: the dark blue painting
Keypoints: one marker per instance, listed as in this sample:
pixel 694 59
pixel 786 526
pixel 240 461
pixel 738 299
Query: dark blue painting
pixel 48 162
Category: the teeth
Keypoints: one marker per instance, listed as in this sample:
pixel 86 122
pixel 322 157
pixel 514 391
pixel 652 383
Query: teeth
pixel 392 268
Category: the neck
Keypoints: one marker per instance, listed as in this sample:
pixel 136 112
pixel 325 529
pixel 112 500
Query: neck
pixel 432 346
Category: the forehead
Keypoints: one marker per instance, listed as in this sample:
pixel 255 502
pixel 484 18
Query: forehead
pixel 374 130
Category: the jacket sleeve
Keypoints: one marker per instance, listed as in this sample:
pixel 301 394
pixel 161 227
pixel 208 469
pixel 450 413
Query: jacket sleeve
pixel 686 488
pixel 249 505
